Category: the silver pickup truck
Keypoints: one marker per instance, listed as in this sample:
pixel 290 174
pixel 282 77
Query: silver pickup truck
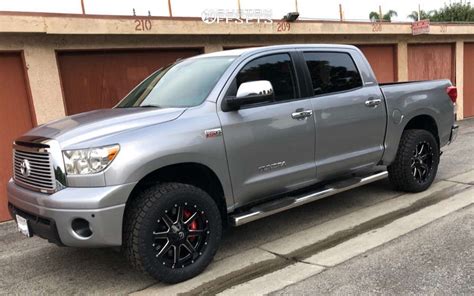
pixel 220 140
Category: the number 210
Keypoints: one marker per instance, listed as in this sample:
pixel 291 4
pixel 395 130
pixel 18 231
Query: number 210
pixel 142 25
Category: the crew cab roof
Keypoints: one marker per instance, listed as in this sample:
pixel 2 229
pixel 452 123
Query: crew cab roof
pixel 253 50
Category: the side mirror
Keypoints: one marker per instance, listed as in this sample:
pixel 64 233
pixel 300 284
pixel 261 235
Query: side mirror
pixel 251 92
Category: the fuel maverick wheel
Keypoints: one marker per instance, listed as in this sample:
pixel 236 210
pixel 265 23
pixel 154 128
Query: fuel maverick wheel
pixel 416 163
pixel 172 231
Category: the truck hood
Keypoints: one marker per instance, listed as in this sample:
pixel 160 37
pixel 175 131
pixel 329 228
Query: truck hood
pixel 89 125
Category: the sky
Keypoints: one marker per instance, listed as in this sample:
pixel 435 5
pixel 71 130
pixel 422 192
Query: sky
pixel 308 9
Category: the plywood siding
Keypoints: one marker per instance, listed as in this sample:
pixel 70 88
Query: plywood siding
pixel 15 117
pixel 431 61
pixel 383 59
pixel 468 80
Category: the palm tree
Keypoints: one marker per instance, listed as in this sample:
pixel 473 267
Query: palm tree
pixel 375 16
pixel 423 15
pixel 388 16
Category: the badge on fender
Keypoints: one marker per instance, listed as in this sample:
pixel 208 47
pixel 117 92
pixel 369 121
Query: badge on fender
pixel 213 133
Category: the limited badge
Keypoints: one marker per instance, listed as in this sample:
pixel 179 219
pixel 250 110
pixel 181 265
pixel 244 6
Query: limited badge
pixel 212 133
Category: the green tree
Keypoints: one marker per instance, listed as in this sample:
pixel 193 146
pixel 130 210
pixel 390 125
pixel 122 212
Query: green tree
pixel 461 11
pixel 423 15
pixel 375 16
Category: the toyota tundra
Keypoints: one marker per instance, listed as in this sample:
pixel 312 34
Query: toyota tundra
pixel 223 139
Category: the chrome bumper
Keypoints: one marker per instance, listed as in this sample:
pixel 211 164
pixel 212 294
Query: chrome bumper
pixel 101 207
pixel 454 133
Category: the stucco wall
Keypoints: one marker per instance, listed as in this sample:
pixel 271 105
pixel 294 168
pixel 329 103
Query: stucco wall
pixel 41 36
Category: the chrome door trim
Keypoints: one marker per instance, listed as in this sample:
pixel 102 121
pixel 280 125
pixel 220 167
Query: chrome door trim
pixel 303 114
pixel 371 102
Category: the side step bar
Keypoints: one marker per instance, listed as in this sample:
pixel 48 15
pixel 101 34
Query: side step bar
pixel 286 203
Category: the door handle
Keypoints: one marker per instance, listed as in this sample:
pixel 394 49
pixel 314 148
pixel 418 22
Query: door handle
pixel 373 102
pixel 301 114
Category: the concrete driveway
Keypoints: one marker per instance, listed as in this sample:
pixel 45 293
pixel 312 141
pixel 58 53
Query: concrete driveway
pixel 33 266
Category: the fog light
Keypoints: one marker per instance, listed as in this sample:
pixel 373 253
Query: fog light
pixel 81 227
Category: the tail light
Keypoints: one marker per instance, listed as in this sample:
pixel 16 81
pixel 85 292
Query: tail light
pixel 452 92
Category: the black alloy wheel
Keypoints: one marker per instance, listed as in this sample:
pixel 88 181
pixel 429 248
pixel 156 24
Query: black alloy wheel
pixel 181 235
pixel 422 161
pixel 171 231
pixel 416 163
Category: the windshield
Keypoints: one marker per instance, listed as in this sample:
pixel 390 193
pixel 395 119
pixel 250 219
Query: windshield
pixel 183 84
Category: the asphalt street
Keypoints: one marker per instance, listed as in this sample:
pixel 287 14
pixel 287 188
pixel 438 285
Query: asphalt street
pixel 32 266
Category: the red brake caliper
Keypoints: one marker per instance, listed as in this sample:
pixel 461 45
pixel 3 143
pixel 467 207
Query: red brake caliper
pixel 193 225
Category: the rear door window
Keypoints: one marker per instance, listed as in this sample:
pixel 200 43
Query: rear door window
pixel 332 72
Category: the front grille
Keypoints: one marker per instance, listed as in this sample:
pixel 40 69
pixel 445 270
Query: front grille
pixel 41 174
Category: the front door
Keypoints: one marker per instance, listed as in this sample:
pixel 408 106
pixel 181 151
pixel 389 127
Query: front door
pixel 268 151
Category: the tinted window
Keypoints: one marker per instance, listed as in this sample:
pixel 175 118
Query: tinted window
pixel 332 72
pixel 277 69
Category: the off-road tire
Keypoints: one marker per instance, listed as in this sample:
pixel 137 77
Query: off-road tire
pixel 401 173
pixel 140 223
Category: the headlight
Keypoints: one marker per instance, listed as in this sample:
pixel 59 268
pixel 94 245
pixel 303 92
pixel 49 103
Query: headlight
pixel 89 161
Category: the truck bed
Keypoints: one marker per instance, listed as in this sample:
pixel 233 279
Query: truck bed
pixel 405 100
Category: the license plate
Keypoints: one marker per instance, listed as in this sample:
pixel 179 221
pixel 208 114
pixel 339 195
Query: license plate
pixel 22 224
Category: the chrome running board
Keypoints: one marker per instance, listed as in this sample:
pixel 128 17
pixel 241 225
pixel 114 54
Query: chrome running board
pixel 289 202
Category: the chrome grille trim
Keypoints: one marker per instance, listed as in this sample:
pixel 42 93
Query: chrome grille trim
pixel 41 177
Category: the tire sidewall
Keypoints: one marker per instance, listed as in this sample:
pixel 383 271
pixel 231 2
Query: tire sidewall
pixel 192 196
pixel 422 136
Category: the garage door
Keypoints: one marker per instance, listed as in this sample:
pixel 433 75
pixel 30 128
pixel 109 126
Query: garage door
pixel 468 106
pixel 431 61
pixel 15 117
pixel 383 59
pixel 99 79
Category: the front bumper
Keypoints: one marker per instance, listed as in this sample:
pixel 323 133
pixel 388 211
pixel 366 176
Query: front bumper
pixel 454 133
pixel 51 216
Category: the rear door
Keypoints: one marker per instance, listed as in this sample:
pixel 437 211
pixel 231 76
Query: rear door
pixel 268 151
pixel 349 116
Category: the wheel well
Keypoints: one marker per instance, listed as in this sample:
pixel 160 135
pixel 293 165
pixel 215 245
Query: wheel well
pixel 194 174
pixel 424 122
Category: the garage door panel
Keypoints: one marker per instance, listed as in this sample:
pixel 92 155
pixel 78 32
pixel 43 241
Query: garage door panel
pixel 15 117
pixel 431 61
pixel 383 60
pixel 94 80
pixel 468 99
pixel 82 85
